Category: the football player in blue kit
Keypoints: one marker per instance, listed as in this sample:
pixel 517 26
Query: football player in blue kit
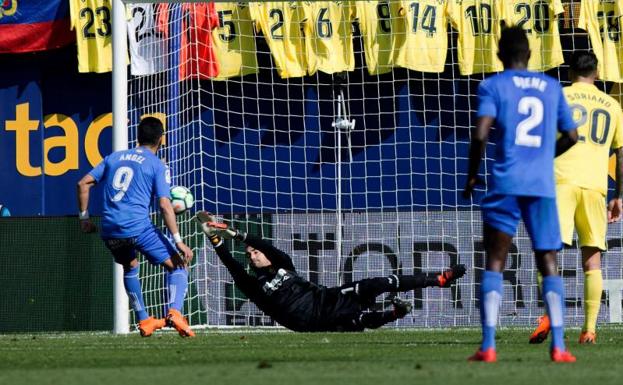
pixel 131 179
pixel 528 110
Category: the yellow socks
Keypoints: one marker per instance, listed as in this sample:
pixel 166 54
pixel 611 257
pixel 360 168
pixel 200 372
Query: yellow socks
pixel 593 286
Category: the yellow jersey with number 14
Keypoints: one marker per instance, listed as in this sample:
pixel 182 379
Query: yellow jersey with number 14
pixel 425 42
pixel 92 20
pixel 600 128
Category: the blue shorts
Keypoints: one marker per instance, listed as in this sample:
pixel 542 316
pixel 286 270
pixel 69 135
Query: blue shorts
pixel 502 212
pixel 151 243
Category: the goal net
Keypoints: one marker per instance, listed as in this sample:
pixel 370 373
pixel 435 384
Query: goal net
pixel 353 173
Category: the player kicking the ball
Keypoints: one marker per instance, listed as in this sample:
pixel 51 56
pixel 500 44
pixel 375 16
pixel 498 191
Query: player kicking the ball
pixel 131 178
pixel 528 110
pixel 303 306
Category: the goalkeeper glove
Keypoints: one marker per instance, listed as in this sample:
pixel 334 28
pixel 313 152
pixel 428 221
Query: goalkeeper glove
pixel 217 231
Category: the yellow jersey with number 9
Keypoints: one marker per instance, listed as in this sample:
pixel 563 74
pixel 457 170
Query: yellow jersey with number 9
pixel 600 128
pixel 425 37
pixel 382 30
pixel 539 18
pixel 92 20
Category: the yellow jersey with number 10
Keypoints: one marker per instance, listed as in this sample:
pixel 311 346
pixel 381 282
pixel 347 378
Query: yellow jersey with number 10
pixel 92 20
pixel 478 23
pixel 600 128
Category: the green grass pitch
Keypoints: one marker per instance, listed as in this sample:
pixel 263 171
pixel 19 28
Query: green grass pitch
pixel 250 357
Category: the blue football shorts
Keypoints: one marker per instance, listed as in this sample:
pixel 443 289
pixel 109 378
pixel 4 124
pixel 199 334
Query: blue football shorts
pixel 502 212
pixel 151 243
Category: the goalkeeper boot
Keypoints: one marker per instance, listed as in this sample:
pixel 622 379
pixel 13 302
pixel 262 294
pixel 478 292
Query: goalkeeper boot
pixel 176 320
pixel 401 307
pixel 446 278
pixel 542 330
pixel 488 355
pixel 587 338
pixel 559 355
pixel 148 326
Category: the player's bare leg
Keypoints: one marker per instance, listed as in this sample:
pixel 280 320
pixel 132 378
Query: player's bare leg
pixel 593 287
pixel 497 243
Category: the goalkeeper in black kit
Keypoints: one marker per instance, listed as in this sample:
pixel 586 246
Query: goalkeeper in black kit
pixel 303 306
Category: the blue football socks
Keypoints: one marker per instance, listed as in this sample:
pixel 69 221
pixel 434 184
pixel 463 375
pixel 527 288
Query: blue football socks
pixel 491 291
pixel 553 295
pixel 133 288
pixel 178 283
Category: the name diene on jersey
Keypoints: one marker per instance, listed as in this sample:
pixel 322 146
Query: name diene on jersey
pixel 530 82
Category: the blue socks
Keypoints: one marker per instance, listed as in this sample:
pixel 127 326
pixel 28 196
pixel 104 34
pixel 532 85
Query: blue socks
pixel 553 295
pixel 133 288
pixel 178 283
pixel 491 292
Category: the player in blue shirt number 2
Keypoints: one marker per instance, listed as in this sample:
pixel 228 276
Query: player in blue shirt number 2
pixel 131 178
pixel 529 110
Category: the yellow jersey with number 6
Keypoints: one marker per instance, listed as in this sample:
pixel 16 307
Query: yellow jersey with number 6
pixel 92 20
pixel 600 128
pixel 329 36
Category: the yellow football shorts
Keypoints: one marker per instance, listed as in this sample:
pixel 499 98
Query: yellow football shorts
pixel 584 209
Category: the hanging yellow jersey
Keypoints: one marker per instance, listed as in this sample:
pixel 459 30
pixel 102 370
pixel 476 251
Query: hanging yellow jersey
pixel 93 24
pixel 382 29
pixel 539 18
pixel 281 23
pixel 478 23
pixel 329 36
pixel 602 22
pixel 425 41
pixel 600 128
pixel 234 40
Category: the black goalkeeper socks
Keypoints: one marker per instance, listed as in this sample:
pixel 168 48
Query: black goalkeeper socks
pixel 375 320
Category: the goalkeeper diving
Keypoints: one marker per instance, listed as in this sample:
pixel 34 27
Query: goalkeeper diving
pixel 300 305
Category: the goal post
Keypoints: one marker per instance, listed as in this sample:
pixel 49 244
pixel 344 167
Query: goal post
pixel 354 175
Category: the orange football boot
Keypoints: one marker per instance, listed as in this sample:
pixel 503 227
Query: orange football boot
pixel 149 325
pixel 176 319
pixel 488 355
pixel 558 355
pixel 542 330
pixel 587 338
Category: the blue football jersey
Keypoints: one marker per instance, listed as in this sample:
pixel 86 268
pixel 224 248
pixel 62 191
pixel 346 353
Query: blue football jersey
pixel 131 178
pixel 529 109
